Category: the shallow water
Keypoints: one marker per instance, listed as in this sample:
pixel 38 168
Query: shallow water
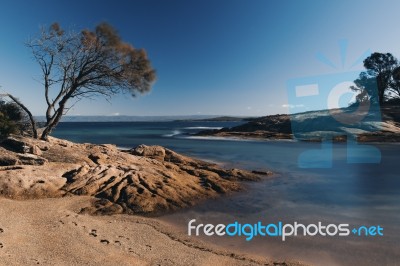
pixel 356 194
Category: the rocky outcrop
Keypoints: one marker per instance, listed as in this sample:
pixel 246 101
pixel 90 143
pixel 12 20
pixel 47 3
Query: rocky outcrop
pixel 20 146
pixel 146 179
pixel 9 158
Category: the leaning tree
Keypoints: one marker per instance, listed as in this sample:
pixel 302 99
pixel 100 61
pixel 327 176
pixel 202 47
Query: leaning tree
pixel 85 64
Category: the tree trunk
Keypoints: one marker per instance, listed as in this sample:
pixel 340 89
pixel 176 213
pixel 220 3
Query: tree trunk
pixel 381 95
pixel 381 88
pixel 53 122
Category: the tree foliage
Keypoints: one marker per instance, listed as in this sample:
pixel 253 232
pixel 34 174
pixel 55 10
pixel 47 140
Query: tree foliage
pixel 396 81
pixel 366 88
pixel 12 119
pixel 380 66
pixel 87 64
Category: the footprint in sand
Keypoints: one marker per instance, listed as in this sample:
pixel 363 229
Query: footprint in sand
pixel 105 241
pixel 127 238
pixel 132 251
pixel 116 243
pixel 35 260
pixel 1 245
pixel 93 233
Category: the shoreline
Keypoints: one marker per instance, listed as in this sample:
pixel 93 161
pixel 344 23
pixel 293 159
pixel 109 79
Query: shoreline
pixel 251 136
pixel 239 138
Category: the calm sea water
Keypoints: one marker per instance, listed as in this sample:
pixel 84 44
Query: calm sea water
pixel 356 194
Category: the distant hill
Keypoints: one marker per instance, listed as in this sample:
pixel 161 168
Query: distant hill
pixel 125 118
pixel 220 119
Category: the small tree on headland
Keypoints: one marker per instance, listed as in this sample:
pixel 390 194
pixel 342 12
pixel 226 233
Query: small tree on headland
pixel 365 86
pixel 87 64
pixel 381 66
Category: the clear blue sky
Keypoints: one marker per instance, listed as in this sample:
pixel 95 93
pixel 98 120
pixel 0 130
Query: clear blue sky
pixel 212 57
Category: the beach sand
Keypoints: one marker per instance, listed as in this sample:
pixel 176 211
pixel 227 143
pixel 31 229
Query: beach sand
pixel 52 232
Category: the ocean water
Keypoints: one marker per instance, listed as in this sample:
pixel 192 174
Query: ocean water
pixel 355 194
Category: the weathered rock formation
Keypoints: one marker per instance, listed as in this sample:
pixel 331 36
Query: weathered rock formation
pixel 146 179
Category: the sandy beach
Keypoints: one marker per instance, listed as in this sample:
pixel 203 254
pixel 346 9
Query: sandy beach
pixel 52 232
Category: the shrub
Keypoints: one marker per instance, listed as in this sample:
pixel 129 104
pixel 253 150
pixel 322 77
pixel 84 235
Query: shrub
pixel 12 119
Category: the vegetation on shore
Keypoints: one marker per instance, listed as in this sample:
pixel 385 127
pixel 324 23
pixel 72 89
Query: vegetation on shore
pixel 12 119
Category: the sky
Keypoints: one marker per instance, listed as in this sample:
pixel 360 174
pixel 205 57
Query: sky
pixel 221 57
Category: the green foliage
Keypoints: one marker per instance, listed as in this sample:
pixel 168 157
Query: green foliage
pixel 382 73
pixel 365 86
pixel 396 81
pixel 381 66
pixel 11 119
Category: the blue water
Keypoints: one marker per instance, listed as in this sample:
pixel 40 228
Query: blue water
pixel 357 194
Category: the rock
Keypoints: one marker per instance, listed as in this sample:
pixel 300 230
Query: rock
pixel 35 150
pixel 20 146
pixel 15 145
pixel 31 181
pixel 8 158
pixel 8 161
pixel 261 172
pixel 154 152
pixel 96 158
pixel 31 159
